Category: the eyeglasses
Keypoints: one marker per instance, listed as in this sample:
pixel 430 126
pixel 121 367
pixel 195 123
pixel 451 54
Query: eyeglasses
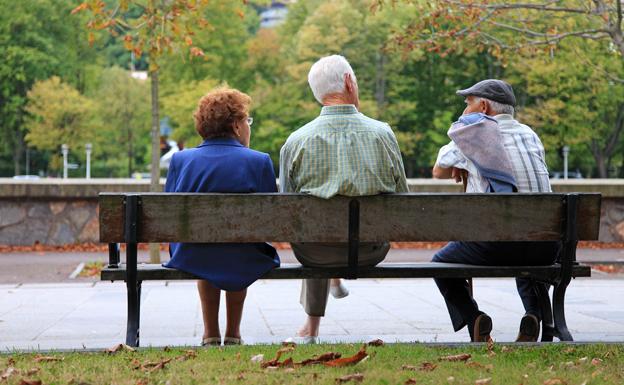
pixel 250 120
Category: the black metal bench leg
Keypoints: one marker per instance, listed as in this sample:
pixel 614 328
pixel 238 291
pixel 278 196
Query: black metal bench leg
pixel 559 311
pixel 548 326
pixel 134 300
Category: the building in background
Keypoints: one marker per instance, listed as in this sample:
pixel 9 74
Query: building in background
pixel 275 14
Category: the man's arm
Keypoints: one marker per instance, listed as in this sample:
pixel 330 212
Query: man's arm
pixel 284 170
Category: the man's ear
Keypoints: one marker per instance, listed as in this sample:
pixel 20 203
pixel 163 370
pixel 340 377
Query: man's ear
pixel 484 106
pixel 348 83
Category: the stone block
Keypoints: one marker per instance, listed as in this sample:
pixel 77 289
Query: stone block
pixel 79 214
pixel 39 210
pixel 11 214
pixel 26 233
pixel 61 233
pixel 91 231
pixel 57 207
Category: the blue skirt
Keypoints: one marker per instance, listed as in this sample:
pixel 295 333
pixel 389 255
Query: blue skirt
pixel 228 266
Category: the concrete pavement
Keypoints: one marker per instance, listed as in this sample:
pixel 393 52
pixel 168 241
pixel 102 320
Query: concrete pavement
pixel 75 313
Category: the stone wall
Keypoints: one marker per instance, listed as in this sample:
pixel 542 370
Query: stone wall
pixel 57 212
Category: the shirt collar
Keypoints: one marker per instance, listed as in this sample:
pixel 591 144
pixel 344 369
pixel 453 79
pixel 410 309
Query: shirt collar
pixel 341 109
pixel 221 142
pixel 503 117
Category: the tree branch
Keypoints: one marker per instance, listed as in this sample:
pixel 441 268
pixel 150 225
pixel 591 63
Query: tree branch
pixel 539 7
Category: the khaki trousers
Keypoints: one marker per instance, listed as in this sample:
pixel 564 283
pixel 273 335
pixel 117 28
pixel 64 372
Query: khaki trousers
pixel 314 292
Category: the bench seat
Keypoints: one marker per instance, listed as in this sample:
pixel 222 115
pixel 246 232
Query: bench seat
pixel 149 272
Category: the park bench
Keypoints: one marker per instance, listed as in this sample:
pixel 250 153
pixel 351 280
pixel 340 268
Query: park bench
pixel 133 218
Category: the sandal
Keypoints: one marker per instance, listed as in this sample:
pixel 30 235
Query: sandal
pixel 211 341
pixel 232 341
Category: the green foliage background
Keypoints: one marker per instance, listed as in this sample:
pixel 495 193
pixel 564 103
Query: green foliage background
pixel 55 88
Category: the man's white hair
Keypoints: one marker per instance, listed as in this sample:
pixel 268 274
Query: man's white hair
pixel 327 76
pixel 498 108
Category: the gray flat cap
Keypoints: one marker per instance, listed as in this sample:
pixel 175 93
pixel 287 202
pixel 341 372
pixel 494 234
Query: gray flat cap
pixel 493 89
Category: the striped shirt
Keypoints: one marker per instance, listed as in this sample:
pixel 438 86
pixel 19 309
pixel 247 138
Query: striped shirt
pixel 342 152
pixel 525 151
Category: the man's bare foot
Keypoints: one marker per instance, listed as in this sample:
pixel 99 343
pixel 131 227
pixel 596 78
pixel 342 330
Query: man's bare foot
pixel 337 288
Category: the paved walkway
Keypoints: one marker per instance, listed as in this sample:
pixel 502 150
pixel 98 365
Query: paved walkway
pixel 92 315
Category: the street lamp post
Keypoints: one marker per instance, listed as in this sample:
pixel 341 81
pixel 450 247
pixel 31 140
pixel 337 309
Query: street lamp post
pixel 65 151
pixel 88 147
pixel 566 151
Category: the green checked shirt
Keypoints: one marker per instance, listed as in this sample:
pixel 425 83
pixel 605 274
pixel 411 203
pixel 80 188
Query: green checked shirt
pixel 342 152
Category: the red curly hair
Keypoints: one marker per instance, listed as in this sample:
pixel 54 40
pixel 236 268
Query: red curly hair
pixel 218 110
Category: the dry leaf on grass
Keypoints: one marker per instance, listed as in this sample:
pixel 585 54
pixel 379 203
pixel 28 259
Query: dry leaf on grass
pixel 354 359
pixel 424 367
pixel 456 357
pixel 410 381
pixel 154 366
pixel 376 342
pixel 478 365
pixel 29 382
pixel 357 377
pixel 257 358
pixel 506 349
pixel 450 379
pixel 555 381
pixel 329 356
pixel 8 373
pixel 596 361
pixel 275 362
pixel 289 343
pixel 39 358
pixel 582 360
pixel 189 354
pixel 483 381
pixel 120 347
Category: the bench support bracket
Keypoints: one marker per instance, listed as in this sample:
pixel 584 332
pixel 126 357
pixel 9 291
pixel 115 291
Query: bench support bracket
pixel 354 238
pixel 568 259
pixel 132 284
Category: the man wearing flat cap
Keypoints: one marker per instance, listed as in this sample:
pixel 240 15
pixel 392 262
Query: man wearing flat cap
pixel 493 152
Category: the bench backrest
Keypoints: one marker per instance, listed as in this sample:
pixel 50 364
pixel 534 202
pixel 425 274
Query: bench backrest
pixel 195 217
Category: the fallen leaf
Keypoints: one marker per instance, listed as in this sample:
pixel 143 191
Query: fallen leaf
pixel 450 379
pixel 506 349
pixel 357 377
pixel 47 359
pixel 456 357
pixel 30 382
pixel 555 381
pixel 483 381
pixel 329 356
pixel 8 373
pixel 410 381
pixel 189 354
pixel 257 358
pixel 120 347
pixel 154 366
pixel 596 361
pixel 142 381
pixel 569 364
pixel 167 349
pixel 569 350
pixel 478 365
pixel 376 342
pixel 241 376
pixel 582 360
pixel 11 361
pixel 275 362
pixel 354 359
pixel 289 343
pixel 32 371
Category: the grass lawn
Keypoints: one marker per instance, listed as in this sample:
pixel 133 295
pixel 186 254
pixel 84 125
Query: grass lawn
pixel 388 364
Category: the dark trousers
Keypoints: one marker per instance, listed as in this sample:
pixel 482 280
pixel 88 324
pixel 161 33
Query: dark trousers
pixel 462 308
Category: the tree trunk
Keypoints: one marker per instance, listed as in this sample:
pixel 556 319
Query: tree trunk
pixel 380 82
pixel 18 150
pixel 155 171
pixel 601 164
pixel 130 151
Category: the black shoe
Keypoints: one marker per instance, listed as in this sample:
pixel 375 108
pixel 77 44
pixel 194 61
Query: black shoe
pixel 529 329
pixel 482 328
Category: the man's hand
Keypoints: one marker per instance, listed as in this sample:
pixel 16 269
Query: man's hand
pixel 458 174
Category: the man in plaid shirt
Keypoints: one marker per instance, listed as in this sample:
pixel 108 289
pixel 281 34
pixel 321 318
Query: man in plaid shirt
pixel 341 152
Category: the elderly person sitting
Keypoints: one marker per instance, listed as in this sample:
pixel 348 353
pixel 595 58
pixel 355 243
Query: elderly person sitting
pixel 341 152
pixel 499 154
pixel 222 163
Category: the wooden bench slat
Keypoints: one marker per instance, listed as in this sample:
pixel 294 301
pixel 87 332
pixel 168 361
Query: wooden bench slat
pixel 383 270
pixel 303 218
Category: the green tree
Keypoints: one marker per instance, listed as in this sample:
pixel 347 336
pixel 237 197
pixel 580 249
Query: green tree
pixel 124 110
pixel 58 114
pixel 36 41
